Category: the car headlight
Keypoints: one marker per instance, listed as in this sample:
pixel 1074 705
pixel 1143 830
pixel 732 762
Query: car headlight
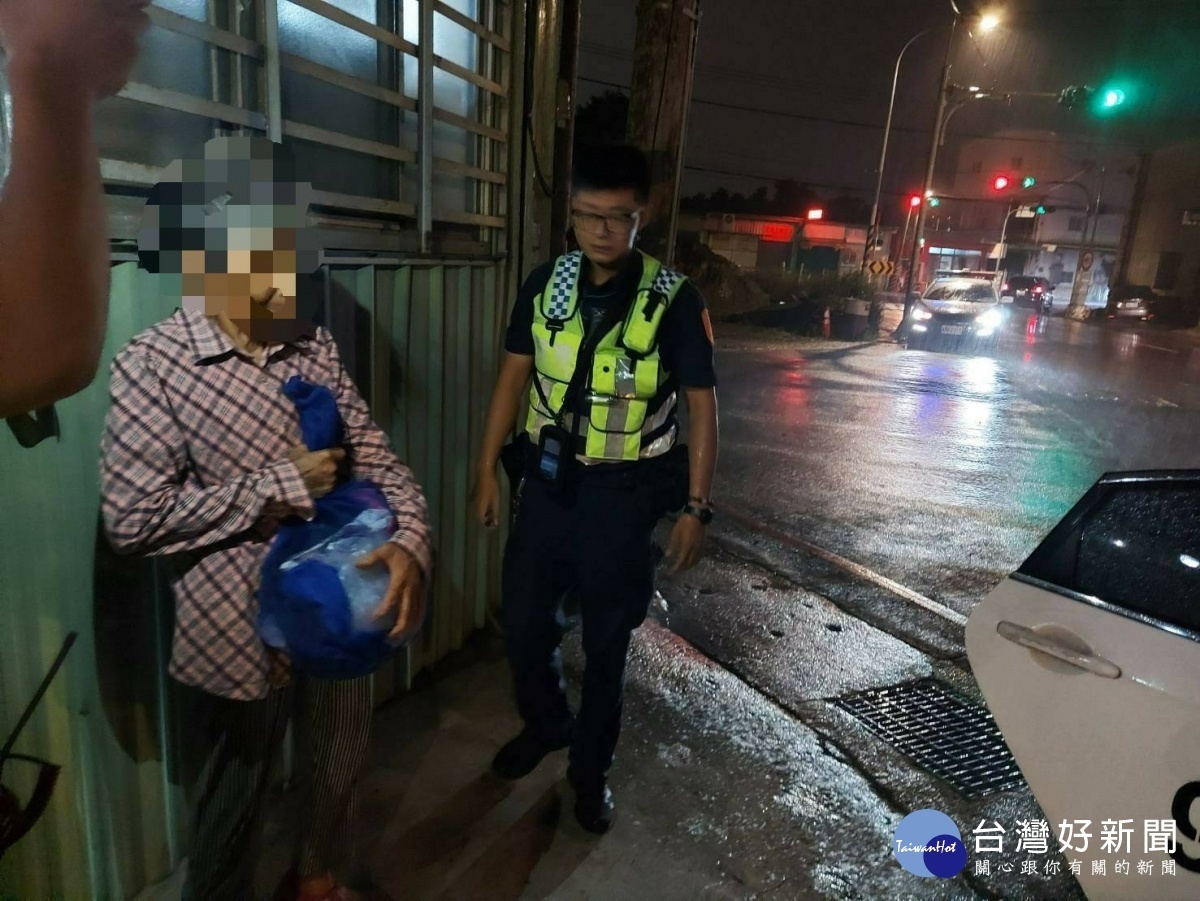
pixel 992 319
pixel 920 314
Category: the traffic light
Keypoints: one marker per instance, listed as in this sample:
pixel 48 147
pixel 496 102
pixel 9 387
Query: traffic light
pixel 1040 209
pixel 1105 100
pixel 914 201
pixel 935 201
pixel 1001 183
pixel 1028 181
pixel 1074 95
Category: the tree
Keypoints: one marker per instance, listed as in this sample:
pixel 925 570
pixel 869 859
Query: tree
pixel 792 198
pixel 849 209
pixel 602 120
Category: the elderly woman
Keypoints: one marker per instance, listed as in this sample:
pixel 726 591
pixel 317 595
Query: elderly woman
pixel 202 460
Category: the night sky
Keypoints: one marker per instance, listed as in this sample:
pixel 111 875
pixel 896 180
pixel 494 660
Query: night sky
pixel 818 76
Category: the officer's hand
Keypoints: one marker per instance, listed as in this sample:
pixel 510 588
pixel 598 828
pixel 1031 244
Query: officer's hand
pixel 485 500
pixel 319 468
pixel 686 546
pixel 93 42
pixel 404 589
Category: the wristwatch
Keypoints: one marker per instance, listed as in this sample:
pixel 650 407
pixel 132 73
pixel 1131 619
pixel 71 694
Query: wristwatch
pixel 704 514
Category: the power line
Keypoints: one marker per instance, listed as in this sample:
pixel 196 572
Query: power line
pixel 729 73
pixel 851 123
pixel 804 183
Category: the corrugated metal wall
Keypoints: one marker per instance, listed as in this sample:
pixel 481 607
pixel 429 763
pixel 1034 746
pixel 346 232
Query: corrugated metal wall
pixel 408 116
pixel 422 342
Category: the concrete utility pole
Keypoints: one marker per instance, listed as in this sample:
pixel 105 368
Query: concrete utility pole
pixel 1129 232
pixel 534 120
pixel 564 124
pixel 938 126
pixel 1084 269
pixel 663 66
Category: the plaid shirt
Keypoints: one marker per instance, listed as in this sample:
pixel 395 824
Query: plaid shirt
pixel 195 466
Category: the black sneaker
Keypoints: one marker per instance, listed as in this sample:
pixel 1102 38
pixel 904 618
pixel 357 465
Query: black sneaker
pixel 594 806
pixel 521 756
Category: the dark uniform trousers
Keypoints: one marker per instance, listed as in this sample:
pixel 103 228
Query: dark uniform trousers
pixel 595 542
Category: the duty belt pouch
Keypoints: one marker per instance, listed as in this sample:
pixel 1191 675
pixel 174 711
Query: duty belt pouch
pixel 514 458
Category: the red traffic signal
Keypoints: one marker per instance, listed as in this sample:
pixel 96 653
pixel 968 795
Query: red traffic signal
pixel 1001 182
pixel 914 201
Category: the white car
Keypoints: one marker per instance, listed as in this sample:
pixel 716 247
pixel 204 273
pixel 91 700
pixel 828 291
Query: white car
pixel 1089 658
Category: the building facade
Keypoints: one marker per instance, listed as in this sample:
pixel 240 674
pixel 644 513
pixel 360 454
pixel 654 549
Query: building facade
pixel 415 121
pixel 1163 245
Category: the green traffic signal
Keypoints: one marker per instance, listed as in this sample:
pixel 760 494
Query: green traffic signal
pixel 1028 182
pixel 1113 97
pixel 935 201
pixel 1040 209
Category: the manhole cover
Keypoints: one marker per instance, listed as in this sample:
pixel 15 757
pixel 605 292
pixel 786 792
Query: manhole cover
pixel 955 740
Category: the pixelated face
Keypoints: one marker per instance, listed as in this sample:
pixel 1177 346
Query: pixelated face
pixel 228 235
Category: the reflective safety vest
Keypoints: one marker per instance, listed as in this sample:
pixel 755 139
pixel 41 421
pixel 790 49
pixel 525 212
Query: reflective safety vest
pixel 627 412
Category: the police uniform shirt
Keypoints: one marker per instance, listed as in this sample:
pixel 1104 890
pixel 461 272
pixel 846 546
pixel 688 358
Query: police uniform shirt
pixel 685 338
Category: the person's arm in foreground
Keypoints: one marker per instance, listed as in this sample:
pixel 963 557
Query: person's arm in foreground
pixel 62 55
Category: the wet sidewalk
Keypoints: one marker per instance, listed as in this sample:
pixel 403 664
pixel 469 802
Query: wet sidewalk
pixel 735 780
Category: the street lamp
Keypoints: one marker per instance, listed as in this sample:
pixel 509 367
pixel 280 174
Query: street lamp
pixel 887 133
pixel 988 22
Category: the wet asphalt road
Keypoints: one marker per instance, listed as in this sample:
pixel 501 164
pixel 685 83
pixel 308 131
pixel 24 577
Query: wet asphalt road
pixel 869 497
pixel 943 471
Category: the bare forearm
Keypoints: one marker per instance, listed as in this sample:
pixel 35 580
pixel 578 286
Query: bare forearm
pixel 703 441
pixel 502 418
pixel 53 245
pixel 502 413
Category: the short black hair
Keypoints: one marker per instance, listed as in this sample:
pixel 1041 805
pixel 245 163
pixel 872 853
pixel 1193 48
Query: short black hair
pixel 607 168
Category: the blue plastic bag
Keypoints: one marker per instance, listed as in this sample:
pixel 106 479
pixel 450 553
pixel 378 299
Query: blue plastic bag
pixel 315 604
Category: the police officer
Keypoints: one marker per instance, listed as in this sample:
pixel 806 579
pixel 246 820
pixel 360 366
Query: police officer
pixel 602 342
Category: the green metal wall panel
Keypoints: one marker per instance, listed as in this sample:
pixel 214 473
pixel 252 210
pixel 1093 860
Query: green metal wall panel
pixel 421 341
pixel 115 820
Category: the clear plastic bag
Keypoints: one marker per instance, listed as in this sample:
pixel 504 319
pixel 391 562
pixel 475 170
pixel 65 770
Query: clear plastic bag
pixel 365 588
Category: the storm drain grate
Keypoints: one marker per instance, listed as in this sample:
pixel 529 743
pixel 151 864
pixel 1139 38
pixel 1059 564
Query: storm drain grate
pixel 955 740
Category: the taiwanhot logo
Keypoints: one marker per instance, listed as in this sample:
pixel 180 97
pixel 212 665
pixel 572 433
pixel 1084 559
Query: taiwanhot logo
pixel 928 843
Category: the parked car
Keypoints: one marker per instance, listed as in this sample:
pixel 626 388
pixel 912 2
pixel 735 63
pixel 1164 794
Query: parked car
pixel 1030 291
pixel 1089 659
pixel 1131 302
pixel 1146 304
pixel 958 312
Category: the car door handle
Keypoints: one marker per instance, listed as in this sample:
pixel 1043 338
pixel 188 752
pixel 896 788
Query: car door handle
pixel 1028 638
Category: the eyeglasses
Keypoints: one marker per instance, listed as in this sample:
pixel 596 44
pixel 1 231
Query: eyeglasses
pixel 595 224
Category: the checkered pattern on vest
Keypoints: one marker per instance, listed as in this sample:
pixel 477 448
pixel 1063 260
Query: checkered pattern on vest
pixel 667 281
pixel 563 282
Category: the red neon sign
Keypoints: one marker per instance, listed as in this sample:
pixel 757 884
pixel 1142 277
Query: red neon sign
pixel 778 232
